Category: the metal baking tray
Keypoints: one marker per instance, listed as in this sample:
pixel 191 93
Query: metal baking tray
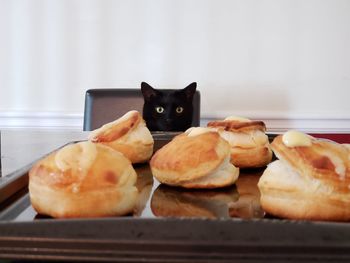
pixel 169 225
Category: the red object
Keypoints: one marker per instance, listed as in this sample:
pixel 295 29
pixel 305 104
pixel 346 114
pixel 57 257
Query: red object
pixel 337 137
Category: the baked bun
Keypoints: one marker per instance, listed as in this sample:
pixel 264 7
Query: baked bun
pixel 83 180
pixel 310 180
pixel 249 144
pixel 198 158
pixel 128 135
pixel 179 202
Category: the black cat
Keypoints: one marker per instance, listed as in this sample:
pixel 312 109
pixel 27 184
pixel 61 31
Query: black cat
pixel 168 110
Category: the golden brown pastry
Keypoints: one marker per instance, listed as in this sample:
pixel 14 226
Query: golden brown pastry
pixel 311 179
pixel 83 180
pixel 198 158
pixel 128 135
pixel 249 144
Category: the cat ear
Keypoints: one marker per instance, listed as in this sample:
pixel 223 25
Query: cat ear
pixel 190 90
pixel 147 91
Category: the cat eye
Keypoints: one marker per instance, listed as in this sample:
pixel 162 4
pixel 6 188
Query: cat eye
pixel 160 109
pixel 179 109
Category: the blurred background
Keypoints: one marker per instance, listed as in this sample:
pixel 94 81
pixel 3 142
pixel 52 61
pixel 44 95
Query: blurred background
pixel 286 62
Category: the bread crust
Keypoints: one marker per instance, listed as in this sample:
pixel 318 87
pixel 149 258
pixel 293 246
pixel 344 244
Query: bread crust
pixel 65 185
pixel 232 125
pixel 249 144
pixel 307 182
pixel 251 157
pixel 319 161
pixel 116 129
pixel 128 135
pixel 187 161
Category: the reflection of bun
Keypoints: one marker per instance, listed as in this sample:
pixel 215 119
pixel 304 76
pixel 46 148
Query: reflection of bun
pixel 310 180
pixel 199 158
pixel 178 202
pixel 248 204
pixel 83 180
pixel 144 185
pixel 248 141
pixel 128 135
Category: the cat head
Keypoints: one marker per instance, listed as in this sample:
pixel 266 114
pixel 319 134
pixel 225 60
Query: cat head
pixel 168 110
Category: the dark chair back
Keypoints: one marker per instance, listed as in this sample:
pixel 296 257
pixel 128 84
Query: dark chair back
pixel 106 105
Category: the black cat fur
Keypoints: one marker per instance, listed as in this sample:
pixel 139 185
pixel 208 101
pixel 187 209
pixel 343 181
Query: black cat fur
pixel 168 110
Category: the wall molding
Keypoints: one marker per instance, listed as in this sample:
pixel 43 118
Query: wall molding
pixel 275 122
pixel 41 120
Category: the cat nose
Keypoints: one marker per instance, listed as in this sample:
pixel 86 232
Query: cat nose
pixel 168 120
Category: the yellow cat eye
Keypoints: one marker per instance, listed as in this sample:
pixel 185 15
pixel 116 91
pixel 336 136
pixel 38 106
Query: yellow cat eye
pixel 179 109
pixel 160 109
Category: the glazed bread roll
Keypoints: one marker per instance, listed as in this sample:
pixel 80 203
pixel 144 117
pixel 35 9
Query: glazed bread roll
pixel 249 144
pixel 310 180
pixel 198 158
pixel 128 135
pixel 83 180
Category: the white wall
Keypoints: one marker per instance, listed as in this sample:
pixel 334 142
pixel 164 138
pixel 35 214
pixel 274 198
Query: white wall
pixel 284 60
